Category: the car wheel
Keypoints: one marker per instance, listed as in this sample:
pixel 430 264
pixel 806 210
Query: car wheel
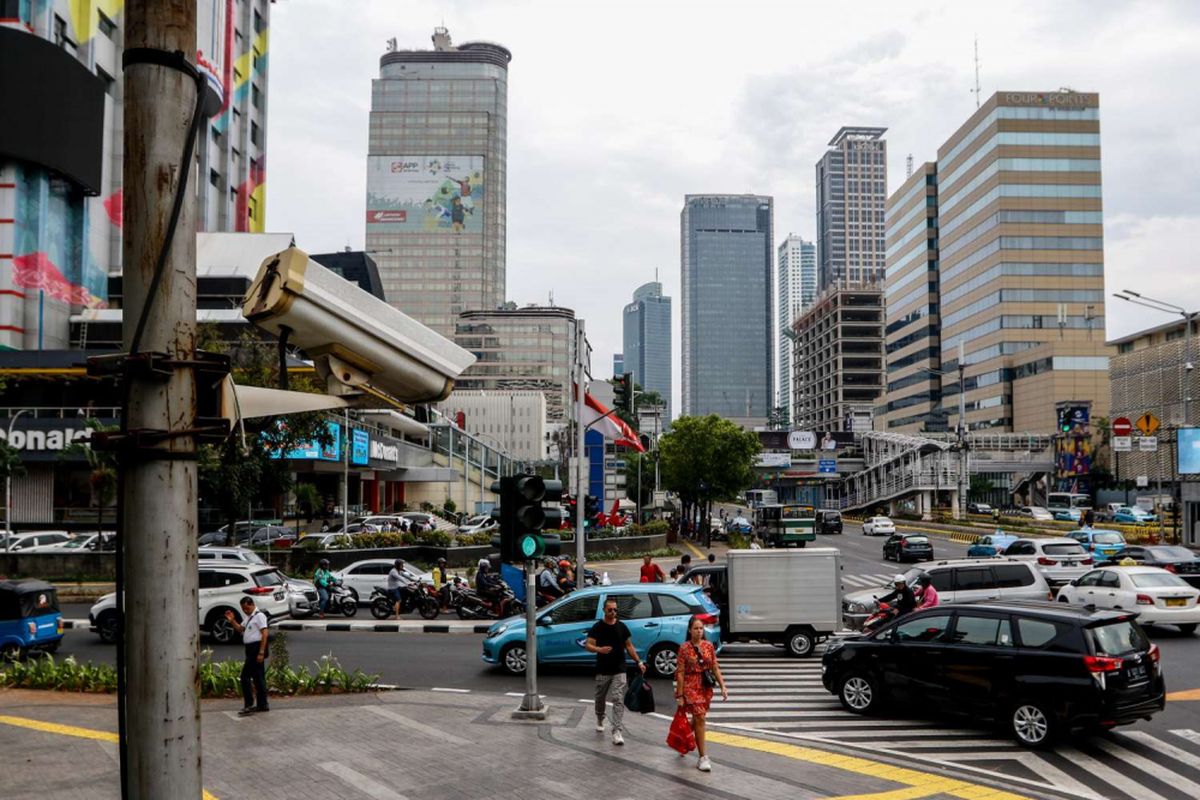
pixel 514 658
pixel 109 627
pixel 221 629
pixel 859 693
pixel 1032 723
pixel 800 642
pixel 10 651
pixel 1187 629
pixel 664 660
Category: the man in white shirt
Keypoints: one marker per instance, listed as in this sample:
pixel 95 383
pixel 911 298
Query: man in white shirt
pixel 255 634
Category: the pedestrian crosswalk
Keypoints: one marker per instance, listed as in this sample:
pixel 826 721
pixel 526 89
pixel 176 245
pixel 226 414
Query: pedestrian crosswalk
pixel 879 580
pixel 771 692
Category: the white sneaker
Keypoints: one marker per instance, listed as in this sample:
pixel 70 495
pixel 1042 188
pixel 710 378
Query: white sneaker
pixel 618 739
pixel 705 765
pixel 600 726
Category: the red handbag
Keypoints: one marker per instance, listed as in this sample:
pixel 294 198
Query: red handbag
pixel 680 737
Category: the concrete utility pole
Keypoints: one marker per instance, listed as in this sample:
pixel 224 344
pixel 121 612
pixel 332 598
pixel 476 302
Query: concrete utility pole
pixel 159 529
pixel 8 484
pixel 580 489
pixel 963 477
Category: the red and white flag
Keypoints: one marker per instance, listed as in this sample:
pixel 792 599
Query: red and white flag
pixel 611 426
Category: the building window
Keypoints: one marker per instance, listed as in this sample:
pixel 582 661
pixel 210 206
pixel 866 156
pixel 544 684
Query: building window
pixel 257 56
pixel 60 35
pixel 1125 347
pixel 255 97
pixel 110 85
pixel 251 207
pixel 106 25
pixel 214 178
pixel 258 23
pixel 254 133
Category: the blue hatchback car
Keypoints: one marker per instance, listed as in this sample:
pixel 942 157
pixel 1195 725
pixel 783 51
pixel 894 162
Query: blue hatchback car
pixel 1100 543
pixel 656 614
pixel 990 545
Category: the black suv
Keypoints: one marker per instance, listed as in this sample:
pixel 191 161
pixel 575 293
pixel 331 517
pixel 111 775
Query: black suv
pixel 829 522
pixel 1039 668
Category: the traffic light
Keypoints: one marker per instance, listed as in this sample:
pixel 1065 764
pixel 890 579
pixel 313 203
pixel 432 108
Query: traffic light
pixel 522 517
pixel 623 392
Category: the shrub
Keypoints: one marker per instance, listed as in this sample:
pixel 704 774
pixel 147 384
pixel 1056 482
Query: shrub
pixel 450 505
pixel 437 538
pixel 479 538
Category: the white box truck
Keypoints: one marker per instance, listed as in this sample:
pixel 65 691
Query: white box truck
pixel 787 597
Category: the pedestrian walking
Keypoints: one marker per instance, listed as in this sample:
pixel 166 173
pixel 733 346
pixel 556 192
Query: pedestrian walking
pixel 685 565
pixel 255 636
pixel 696 674
pixel 651 572
pixel 610 640
pixel 712 558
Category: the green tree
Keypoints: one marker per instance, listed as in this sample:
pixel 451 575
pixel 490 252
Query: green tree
pixel 102 469
pixel 980 486
pixel 705 459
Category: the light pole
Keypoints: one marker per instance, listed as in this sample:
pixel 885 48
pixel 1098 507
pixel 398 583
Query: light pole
pixel 8 483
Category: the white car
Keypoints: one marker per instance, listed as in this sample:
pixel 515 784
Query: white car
pixel 222 586
pixel 226 554
pixel 81 542
pixel 31 539
pixel 1036 513
pixel 878 526
pixel 1060 560
pixel 1156 595
pixel 363 576
pixel 479 524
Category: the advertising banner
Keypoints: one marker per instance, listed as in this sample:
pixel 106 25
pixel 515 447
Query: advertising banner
pixel 425 194
pixel 773 460
pixel 360 448
pixel 1073 456
pixel 311 451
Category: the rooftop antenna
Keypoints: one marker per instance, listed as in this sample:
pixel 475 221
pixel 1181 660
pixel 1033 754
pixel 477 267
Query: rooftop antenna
pixel 551 298
pixel 908 166
pixel 977 91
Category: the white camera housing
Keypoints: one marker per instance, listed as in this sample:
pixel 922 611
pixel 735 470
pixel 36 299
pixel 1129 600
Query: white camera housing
pixel 355 339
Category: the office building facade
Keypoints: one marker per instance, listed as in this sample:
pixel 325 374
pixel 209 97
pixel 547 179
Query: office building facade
pixel 912 402
pixel 1021 260
pixel 727 250
pixel 521 349
pixel 513 421
pixel 795 288
pixel 647 341
pixel 851 191
pixel 838 363
pixel 61 196
pixel 436 175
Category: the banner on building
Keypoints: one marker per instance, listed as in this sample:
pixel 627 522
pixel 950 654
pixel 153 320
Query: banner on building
pixel 425 194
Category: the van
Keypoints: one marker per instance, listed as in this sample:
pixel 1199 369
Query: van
pixel 960 581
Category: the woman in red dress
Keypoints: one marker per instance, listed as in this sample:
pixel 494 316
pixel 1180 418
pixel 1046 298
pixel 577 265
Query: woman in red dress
pixel 692 692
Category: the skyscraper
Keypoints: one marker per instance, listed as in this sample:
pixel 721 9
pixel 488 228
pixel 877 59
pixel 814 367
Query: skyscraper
pixel 1021 260
pixel 61 195
pixel 851 190
pixel 618 364
pixel 796 286
pixel 436 170
pixel 727 249
pixel 647 337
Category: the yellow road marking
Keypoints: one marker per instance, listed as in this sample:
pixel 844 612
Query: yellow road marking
pixel 1187 694
pixel 695 550
pixel 70 730
pixel 920 784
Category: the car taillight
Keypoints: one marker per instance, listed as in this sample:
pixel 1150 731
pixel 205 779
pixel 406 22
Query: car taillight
pixel 1087 562
pixel 1103 663
pixel 32 628
pixel 708 619
pixel 1169 567
pixel 1145 600
pixel 1046 562
pixel 1154 654
pixel 60 625
pixel 904 543
pixel 259 590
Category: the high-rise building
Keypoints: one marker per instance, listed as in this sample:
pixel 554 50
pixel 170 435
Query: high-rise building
pixel 647 338
pixel 1021 260
pixel 914 355
pixel 521 349
pixel 851 190
pixel 61 194
pixel 618 364
pixel 436 167
pixel 514 421
pixel 727 249
pixel 796 286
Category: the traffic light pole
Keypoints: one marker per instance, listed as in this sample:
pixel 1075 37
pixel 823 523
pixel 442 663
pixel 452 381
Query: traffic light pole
pixel 532 706
pixel 580 489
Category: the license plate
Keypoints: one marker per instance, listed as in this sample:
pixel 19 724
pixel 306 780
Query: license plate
pixel 1136 673
pixel 1176 601
pixel 279 595
pixel 1068 563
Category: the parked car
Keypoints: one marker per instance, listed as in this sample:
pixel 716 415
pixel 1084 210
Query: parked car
pixel 222 586
pixel 1102 544
pixel 1035 513
pixel 657 615
pixel 1133 515
pixel 419 521
pixel 878 526
pixel 363 576
pixel 1155 595
pixel 1107 511
pixel 225 554
pixel 829 521
pixel 1183 562
pixel 480 523
pixel 78 543
pixel 32 539
pixel 908 547
pixel 324 541
pixel 1043 669
pixel 1060 560
pixel 272 536
pixel 959 581
pixel 991 544
pixel 383 522
pixel 1066 514
pixel 242 530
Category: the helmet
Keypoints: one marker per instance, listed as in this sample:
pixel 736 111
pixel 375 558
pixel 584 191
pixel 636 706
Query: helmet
pixel 923 580
pixel 398 563
pixel 441 562
pixel 899 579
pixel 324 562
pixel 564 564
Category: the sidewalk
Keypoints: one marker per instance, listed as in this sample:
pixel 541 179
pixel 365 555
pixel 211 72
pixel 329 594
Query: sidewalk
pixel 429 746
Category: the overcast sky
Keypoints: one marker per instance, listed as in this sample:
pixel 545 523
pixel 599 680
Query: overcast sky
pixel 616 110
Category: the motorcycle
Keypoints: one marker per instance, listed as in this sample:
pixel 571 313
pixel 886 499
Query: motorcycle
pixel 341 600
pixel 470 605
pixel 882 615
pixel 420 598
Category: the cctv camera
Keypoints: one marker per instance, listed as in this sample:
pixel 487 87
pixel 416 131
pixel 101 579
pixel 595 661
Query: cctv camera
pixel 354 339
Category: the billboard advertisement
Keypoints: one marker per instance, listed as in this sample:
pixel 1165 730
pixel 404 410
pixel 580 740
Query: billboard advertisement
pixel 1189 451
pixel 1073 456
pixel 360 448
pixel 425 194
pixel 313 451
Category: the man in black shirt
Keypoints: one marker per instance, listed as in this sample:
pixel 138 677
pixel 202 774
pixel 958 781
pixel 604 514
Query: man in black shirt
pixel 609 640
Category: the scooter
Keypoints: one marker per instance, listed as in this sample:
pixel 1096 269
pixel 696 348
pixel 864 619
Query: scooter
pixel 884 614
pixel 471 605
pixel 341 600
pixel 420 598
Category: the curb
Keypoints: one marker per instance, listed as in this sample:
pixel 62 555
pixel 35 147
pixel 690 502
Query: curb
pixel 355 627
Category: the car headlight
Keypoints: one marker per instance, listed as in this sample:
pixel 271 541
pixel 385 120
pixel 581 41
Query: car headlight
pixel 494 632
pixel 855 607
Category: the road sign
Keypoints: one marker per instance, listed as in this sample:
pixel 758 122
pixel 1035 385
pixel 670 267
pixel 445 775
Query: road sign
pixel 1147 444
pixel 1147 423
pixel 827 465
pixel 1143 481
pixel 1121 426
pixel 1122 444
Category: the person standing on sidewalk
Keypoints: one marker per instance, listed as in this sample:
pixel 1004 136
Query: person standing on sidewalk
pixel 255 637
pixel 695 676
pixel 610 640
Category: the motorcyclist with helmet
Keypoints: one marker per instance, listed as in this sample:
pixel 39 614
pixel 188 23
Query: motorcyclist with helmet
pixel 323 580
pixel 490 587
pixel 399 583
pixel 926 594
pixel 547 583
pixel 441 583
pixel 901 596
pixel 566 577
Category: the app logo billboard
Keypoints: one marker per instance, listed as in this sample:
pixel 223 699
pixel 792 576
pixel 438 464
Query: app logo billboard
pixel 425 194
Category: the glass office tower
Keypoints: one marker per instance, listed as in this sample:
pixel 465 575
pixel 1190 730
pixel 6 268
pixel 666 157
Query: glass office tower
pixel 796 288
pixel 647 341
pixel 851 190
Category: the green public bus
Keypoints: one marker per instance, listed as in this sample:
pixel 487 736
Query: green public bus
pixel 785 525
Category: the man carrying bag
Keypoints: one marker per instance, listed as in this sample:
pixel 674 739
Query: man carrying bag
pixel 639 697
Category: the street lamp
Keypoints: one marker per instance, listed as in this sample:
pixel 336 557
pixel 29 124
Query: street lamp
pixel 962 426
pixel 8 485
pixel 1189 317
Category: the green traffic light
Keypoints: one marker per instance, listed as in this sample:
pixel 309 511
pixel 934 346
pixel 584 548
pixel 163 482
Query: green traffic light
pixel 531 545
